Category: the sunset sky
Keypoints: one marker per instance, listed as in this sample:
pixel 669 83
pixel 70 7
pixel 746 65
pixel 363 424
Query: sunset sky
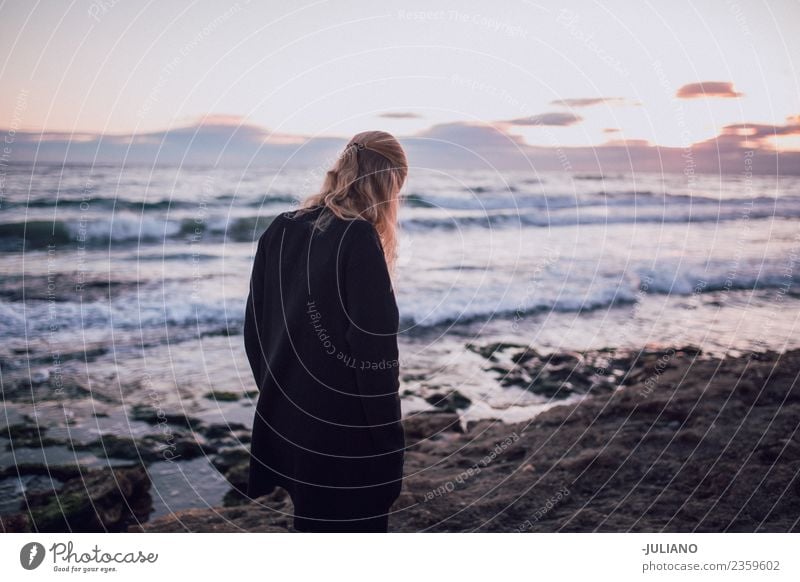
pixel 533 73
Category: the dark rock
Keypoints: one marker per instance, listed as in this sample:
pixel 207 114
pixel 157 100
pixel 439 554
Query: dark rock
pixel 414 377
pixel 187 447
pixel 689 454
pixel 222 396
pixel 525 356
pixel 566 359
pixel 15 523
pixel 61 472
pixel 227 459
pixel 450 402
pixel 423 425
pixel 488 351
pixel 22 431
pixel 269 513
pixel 557 375
pixel 221 331
pixel 150 448
pixel 29 436
pixel 117 447
pixel 151 415
pixel 100 500
pixel 238 477
pixel 221 430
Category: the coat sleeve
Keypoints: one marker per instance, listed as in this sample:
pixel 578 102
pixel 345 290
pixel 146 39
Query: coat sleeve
pixel 371 336
pixel 254 310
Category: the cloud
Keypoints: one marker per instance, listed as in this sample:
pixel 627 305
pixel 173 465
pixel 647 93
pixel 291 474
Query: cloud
pixel 469 134
pixel 209 140
pixel 761 130
pixel 400 115
pixel 589 101
pixel 554 119
pixel 447 146
pixel 219 119
pixel 741 137
pixel 722 89
pixel 490 146
pixel 463 145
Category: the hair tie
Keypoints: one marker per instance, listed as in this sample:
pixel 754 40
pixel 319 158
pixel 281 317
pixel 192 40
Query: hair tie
pixel 359 146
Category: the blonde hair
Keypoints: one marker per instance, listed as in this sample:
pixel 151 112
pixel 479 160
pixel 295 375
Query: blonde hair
pixel 365 183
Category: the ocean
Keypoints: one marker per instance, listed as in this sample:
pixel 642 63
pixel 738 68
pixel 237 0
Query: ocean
pixel 125 287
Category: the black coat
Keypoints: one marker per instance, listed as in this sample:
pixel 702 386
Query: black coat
pixel 321 336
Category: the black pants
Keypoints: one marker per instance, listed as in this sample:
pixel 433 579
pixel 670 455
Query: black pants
pixel 322 509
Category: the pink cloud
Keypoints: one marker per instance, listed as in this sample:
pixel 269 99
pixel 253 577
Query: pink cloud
pixel 220 119
pixel 449 145
pixel 762 130
pixel 723 89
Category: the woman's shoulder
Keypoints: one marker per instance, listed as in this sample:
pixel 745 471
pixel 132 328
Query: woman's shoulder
pixel 360 226
pixel 360 232
pixel 299 213
pixel 346 230
pixel 355 226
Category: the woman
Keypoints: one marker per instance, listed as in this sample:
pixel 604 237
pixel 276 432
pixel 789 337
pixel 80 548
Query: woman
pixel 321 335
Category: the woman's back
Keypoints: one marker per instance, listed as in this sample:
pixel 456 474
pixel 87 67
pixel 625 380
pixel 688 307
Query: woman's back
pixel 320 333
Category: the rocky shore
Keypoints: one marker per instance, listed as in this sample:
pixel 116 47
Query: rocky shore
pixel 663 440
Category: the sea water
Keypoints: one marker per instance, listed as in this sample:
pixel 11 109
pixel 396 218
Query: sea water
pixel 130 282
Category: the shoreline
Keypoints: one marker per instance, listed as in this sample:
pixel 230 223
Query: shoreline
pixel 675 442
pixel 712 447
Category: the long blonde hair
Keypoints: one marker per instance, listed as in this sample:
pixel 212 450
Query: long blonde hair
pixel 365 183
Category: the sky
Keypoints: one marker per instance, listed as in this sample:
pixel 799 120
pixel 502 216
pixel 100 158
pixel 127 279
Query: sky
pixel 80 79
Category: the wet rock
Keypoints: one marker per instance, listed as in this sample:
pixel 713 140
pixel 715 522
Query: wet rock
pixel 221 430
pixel 414 377
pixel 689 454
pixel 234 464
pixel 187 446
pixel 450 402
pixel 151 448
pixel 223 396
pixel 525 356
pixel 549 388
pixel 117 447
pixel 488 351
pixel 28 436
pixel 238 476
pixel 564 359
pixel 227 459
pixel 424 426
pixel 221 331
pixel 100 500
pixel 60 472
pixel 152 415
pixel 558 375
